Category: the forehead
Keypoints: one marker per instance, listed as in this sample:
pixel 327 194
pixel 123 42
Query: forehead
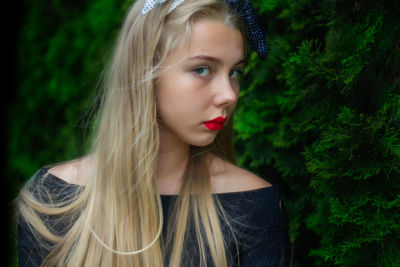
pixel 212 39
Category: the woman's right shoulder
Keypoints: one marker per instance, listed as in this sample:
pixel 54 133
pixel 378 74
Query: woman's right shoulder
pixel 76 172
pixel 53 183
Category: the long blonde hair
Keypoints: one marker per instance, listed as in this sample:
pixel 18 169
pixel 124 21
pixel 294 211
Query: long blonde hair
pixel 119 210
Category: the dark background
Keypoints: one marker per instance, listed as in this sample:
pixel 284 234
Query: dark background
pixel 11 21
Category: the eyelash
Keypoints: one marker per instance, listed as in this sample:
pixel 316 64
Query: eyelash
pixel 240 72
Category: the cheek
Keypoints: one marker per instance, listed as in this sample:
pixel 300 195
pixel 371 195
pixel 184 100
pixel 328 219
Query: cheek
pixel 179 88
pixel 232 108
pixel 174 101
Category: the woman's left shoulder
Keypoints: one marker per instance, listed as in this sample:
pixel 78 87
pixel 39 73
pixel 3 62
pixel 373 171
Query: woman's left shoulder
pixel 227 177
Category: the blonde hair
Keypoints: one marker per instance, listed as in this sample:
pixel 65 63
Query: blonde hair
pixel 122 197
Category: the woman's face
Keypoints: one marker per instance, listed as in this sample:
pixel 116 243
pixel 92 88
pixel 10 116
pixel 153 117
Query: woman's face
pixel 204 86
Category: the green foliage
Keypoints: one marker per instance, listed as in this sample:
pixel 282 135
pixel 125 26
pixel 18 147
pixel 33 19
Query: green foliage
pixel 327 126
pixel 320 117
pixel 63 48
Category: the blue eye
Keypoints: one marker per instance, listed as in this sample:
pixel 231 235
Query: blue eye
pixel 236 73
pixel 202 71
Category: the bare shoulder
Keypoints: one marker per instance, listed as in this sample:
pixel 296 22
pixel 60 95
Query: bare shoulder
pixel 226 177
pixel 75 171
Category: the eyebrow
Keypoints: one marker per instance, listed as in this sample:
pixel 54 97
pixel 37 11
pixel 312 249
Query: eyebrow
pixel 214 59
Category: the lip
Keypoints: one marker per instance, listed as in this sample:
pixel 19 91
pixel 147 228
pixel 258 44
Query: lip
pixel 216 124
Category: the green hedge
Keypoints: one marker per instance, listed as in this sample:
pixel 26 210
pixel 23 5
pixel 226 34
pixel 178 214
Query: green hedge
pixel 320 117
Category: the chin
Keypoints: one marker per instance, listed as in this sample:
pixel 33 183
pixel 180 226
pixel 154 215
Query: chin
pixel 202 142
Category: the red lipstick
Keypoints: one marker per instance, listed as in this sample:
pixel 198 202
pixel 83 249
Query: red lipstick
pixel 216 124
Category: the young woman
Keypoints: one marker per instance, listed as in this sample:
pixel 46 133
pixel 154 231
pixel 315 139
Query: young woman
pixel 159 186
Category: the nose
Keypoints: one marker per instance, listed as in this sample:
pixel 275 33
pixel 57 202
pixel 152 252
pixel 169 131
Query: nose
pixel 226 92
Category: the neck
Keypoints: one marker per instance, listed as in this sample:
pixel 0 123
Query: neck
pixel 172 160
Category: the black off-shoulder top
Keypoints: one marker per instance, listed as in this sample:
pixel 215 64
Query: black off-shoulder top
pixel 259 223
